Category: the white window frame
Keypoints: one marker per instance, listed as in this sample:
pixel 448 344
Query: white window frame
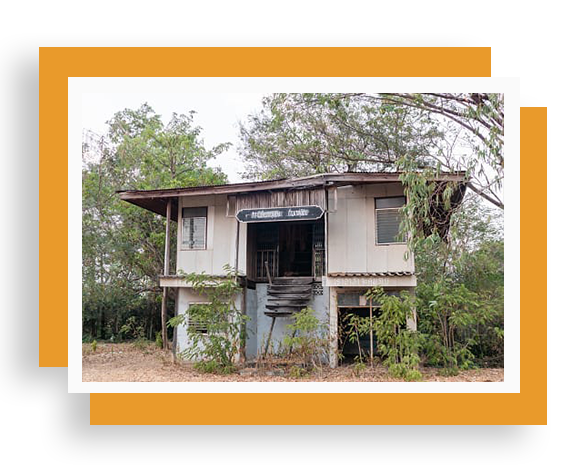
pixel 205 231
pixel 396 210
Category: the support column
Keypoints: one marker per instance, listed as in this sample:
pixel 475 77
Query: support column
pixel 412 322
pixel 167 239
pixel 166 272
pixel 164 319
pixel 333 327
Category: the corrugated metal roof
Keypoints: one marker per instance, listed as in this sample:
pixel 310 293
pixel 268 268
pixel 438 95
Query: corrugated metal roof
pixel 293 182
pixel 371 274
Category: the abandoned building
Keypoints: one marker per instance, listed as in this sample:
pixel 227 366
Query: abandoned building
pixel 320 241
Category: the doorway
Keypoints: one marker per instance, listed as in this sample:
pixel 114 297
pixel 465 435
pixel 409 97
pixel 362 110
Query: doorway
pixel 288 249
pixel 295 249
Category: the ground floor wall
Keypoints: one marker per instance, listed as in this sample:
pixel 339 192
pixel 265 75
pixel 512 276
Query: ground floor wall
pixel 259 325
pixel 325 302
pixel 353 298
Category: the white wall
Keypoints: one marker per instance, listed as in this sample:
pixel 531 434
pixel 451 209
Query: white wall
pixel 351 235
pixel 220 239
pixel 186 296
pixel 351 232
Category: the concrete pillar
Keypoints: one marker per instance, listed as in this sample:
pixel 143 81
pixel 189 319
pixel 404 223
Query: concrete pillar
pixel 333 327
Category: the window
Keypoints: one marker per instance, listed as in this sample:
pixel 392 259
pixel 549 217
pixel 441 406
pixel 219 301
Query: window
pixel 388 219
pixel 197 326
pixel 193 232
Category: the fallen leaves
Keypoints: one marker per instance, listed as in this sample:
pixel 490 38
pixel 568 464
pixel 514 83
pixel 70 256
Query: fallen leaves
pixel 128 363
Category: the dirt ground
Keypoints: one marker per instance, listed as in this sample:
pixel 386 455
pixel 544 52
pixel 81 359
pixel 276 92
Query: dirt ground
pixel 129 363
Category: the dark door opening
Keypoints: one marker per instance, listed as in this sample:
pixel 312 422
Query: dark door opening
pixel 295 249
pixel 289 249
pixel 350 344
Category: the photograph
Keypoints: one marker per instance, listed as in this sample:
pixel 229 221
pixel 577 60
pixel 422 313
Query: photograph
pixel 292 237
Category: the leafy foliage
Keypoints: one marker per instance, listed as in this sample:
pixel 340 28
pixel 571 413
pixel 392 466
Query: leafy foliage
pixel 444 309
pixel 307 338
pixel 123 245
pixel 304 134
pixel 214 328
pixel 460 292
pixel 397 345
pixel 473 126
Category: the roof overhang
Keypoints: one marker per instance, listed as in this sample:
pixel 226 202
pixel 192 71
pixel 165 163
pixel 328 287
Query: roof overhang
pixel 375 279
pixel 156 200
pixel 152 203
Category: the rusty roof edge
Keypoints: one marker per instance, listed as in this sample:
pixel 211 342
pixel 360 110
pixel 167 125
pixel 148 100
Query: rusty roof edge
pixel 316 180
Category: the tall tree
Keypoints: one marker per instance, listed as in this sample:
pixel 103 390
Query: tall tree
pixel 302 134
pixel 471 120
pixel 122 244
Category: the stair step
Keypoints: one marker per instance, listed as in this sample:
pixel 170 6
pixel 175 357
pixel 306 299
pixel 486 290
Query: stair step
pixel 296 300
pixel 274 314
pixel 290 296
pixel 293 281
pixel 289 289
pixel 297 307
pixel 282 309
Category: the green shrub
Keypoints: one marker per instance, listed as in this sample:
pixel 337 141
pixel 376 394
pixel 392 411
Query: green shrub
pixel 451 318
pixel 307 338
pixel 397 346
pixel 216 329
pixel 297 372
pixel 159 340
pixel 213 367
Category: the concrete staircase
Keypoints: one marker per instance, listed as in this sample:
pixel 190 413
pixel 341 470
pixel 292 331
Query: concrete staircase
pixel 287 295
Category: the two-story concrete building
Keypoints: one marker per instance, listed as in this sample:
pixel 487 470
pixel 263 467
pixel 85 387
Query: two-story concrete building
pixel 320 241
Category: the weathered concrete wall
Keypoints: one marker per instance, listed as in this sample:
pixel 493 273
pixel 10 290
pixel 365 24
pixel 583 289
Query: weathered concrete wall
pixel 258 325
pixel 319 303
pixel 251 331
pixel 185 296
pixel 352 233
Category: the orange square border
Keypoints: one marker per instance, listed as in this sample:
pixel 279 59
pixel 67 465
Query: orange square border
pixel 57 64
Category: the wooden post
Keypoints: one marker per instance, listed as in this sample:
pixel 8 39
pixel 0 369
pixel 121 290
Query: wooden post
pixel 166 272
pixel 167 238
pixel 164 318
pixel 327 210
pixel 269 273
pixel 273 321
pixel 371 337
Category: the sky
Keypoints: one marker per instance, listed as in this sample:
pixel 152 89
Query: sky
pixel 218 114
